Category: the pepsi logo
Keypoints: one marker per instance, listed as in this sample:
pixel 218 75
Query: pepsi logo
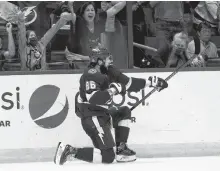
pixel 48 106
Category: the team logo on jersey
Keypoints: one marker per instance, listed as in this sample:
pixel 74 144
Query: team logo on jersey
pixel 48 106
pixel 92 71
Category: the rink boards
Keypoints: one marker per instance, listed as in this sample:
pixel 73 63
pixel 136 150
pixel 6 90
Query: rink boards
pixel 37 111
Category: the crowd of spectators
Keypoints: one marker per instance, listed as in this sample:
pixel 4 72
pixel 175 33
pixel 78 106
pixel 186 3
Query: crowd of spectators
pixel 181 30
pixel 66 33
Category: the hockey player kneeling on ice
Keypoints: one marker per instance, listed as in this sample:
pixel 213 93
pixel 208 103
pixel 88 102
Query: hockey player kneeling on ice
pixel 98 84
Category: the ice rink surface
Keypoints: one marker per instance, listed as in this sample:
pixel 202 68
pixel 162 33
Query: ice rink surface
pixel 150 164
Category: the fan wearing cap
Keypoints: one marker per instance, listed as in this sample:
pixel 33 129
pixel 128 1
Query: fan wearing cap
pixel 202 46
pixel 98 84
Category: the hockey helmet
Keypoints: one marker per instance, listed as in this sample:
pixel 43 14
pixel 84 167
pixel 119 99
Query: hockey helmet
pixel 98 56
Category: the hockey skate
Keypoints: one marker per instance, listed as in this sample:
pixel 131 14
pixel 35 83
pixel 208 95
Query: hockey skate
pixel 124 154
pixel 63 153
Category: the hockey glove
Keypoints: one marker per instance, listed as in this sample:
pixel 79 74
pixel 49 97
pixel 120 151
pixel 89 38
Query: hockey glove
pixel 158 83
pixel 116 87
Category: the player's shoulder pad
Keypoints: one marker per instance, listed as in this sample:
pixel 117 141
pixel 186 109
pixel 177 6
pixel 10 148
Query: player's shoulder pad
pixel 92 71
pixel 113 69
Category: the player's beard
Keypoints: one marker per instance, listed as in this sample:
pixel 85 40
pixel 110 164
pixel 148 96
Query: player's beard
pixel 103 69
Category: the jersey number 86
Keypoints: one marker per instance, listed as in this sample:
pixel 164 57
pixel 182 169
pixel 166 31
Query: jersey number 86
pixel 90 85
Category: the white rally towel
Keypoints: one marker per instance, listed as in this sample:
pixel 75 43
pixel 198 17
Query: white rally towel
pixel 7 9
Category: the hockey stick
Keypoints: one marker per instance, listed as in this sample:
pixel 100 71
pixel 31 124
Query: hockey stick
pixel 168 78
